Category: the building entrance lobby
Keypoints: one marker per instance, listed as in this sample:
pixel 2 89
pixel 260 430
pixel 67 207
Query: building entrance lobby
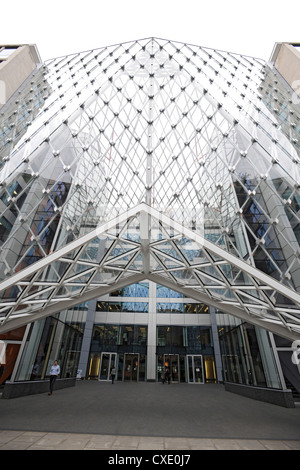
pixel 172 364
pixel 187 352
pixel 108 361
pixel 127 366
pixel 188 368
pixel 195 369
pixel 130 367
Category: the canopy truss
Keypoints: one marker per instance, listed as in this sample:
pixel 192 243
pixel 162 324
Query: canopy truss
pixel 143 243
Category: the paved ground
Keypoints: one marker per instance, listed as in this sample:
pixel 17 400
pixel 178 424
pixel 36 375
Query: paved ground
pixel 96 415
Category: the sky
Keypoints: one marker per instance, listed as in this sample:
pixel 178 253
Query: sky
pixel 63 27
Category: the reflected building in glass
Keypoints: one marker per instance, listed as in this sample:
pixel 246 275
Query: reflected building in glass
pixel 150 217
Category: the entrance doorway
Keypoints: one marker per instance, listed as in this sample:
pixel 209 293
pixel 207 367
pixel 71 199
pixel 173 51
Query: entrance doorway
pixel 131 367
pixel 108 361
pixel 195 369
pixel 171 361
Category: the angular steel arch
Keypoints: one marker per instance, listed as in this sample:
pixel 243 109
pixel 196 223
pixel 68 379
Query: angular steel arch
pixel 143 243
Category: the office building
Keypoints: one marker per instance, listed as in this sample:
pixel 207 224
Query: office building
pixel 150 217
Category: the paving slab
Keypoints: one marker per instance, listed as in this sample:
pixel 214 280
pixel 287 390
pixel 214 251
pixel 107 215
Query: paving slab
pixel 96 415
pixel 115 444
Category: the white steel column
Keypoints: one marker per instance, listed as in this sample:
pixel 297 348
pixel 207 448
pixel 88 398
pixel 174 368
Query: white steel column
pixel 151 338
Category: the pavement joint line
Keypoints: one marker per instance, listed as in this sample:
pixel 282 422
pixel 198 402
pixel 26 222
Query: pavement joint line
pixel 34 440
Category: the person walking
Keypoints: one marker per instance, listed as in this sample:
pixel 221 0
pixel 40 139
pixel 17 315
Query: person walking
pixel 113 374
pixel 168 376
pixel 54 372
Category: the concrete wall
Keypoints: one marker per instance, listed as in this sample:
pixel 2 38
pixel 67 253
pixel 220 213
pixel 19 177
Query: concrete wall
pixel 286 59
pixel 15 70
pixel 277 397
pixel 20 389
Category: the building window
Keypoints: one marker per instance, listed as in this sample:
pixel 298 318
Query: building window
pixel 5 228
pixel 134 290
pixel 135 307
pixel 174 307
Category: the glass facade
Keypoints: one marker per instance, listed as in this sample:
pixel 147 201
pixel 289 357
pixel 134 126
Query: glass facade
pixel 123 346
pixel 188 352
pixel 113 306
pixel 49 340
pixel 161 179
pixel 172 307
pixel 244 361
pixel 134 290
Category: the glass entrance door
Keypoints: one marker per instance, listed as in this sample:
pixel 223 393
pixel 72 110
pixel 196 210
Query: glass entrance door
pixel 108 361
pixel 131 367
pixel 195 369
pixel 171 362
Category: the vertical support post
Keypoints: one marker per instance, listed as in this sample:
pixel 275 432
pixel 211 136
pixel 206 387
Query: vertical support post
pixel 217 351
pixel 87 337
pixel 149 168
pixel 151 337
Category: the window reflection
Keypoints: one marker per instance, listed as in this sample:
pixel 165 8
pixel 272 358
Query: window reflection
pixel 172 307
pixel 141 307
pixel 130 335
pixel 52 339
pixel 108 337
pixel 134 290
pixel 241 357
pixel 165 292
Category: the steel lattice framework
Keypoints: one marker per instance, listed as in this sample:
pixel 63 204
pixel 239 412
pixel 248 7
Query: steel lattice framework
pixel 151 159
pixel 145 244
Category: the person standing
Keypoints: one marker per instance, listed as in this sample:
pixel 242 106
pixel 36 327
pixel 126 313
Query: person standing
pixel 163 375
pixel 1 370
pixel 113 374
pixel 54 372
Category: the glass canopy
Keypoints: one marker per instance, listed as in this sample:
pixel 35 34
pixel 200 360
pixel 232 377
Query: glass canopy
pixel 207 138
